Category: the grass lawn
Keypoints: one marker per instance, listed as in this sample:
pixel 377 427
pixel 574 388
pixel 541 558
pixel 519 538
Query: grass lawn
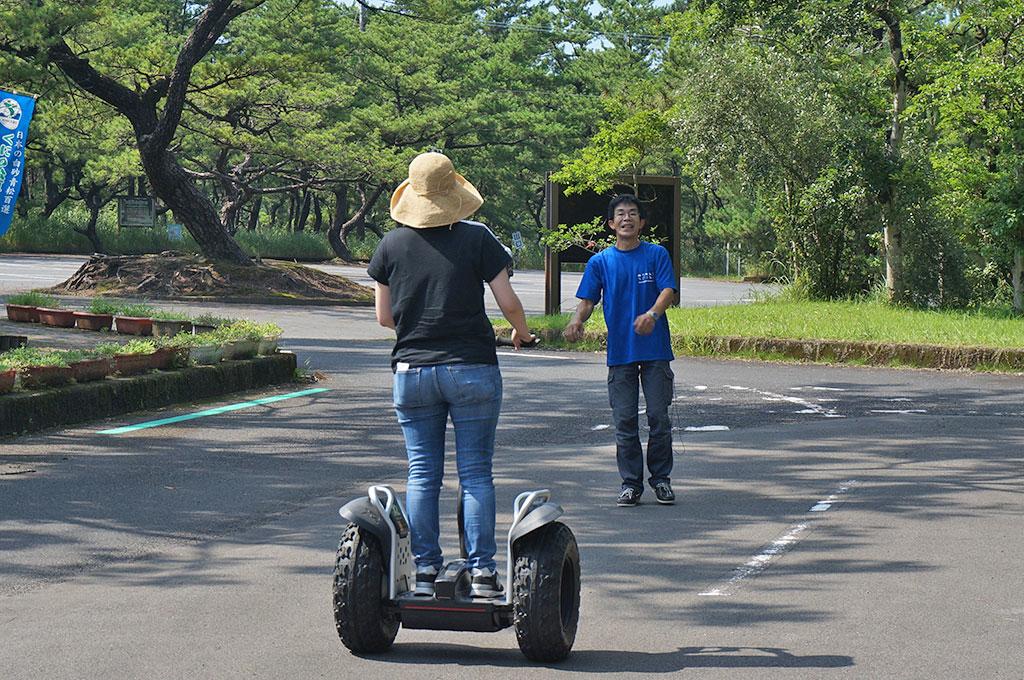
pixel 849 321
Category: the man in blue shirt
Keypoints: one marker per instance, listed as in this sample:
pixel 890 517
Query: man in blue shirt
pixel 634 282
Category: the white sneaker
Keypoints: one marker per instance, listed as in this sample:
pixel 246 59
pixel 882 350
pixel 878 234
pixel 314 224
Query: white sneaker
pixel 425 577
pixel 486 583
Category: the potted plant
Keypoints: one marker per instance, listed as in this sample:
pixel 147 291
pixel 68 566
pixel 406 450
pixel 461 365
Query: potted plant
pixel 57 316
pixel 207 323
pixel 167 324
pixel 136 319
pixel 99 315
pixel 170 354
pixel 202 349
pixel 8 374
pixel 134 357
pixel 38 367
pixel 241 339
pixel 270 333
pixel 22 307
pixel 87 366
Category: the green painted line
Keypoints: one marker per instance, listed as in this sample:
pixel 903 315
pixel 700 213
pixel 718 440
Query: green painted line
pixel 211 411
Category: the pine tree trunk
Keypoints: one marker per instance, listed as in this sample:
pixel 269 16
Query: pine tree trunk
pixel 300 223
pixel 94 205
pixel 1018 279
pixel 254 213
pixel 155 129
pixel 338 231
pixel 318 214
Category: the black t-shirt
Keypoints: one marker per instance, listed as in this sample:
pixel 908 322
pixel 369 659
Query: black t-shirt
pixel 436 279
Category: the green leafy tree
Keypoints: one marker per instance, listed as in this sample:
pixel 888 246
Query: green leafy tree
pixel 138 58
pixel 975 101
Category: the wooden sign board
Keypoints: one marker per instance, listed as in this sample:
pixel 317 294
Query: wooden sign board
pixel 659 196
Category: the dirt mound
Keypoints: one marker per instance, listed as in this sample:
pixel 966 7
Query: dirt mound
pixel 171 275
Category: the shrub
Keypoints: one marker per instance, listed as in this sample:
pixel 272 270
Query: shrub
pixel 102 305
pixel 137 310
pixel 169 315
pixel 211 320
pixel 32 299
pixel 242 329
pixel 269 330
pixel 23 357
pixel 106 349
pixel 138 346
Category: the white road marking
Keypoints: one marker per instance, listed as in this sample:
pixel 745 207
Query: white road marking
pixel 595 428
pixel 897 411
pixel 759 562
pixel 706 428
pixel 528 353
pixel 700 388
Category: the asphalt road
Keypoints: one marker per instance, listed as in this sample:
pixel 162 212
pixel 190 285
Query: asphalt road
pixel 831 523
pixel 22 272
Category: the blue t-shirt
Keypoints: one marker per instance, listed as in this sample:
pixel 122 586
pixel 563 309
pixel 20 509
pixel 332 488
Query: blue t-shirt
pixel 627 284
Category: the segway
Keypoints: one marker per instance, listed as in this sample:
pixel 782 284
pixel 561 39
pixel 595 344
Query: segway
pixel 374 579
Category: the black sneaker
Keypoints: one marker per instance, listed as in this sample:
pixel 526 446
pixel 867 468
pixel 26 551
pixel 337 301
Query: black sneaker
pixel 628 497
pixel 663 492
pixel 425 577
pixel 486 583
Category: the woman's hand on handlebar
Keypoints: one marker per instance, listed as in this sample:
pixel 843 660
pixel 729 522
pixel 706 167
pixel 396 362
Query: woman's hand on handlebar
pixel 518 340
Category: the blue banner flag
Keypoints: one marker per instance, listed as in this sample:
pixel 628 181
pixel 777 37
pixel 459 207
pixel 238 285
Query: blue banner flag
pixel 15 114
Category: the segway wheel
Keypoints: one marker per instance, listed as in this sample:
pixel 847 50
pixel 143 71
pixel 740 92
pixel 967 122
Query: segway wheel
pixel 360 592
pixel 546 592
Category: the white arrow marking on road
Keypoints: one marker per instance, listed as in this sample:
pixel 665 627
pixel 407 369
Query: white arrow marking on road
pixel 809 407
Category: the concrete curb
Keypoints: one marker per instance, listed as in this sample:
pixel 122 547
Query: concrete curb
pixel 23 412
pixel 835 351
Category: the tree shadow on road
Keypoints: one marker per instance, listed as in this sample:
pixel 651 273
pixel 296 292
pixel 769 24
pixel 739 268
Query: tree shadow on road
pixel 616 661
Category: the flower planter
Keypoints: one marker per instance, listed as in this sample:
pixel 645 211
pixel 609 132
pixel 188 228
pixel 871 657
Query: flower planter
pixel 267 346
pixel 61 318
pixel 88 321
pixel 133 364
pixel 45 376
pixel 198 328
pixel 23 313
pixel 91 369
pixel 133 325
pixel 240 349
pixel 7 380
pixel 12 342
pixel 167 357
pixel 165 327
pixel 205 354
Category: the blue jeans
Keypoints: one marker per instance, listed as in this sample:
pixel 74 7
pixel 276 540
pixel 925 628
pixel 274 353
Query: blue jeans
pixel 624 383
pixel 424 399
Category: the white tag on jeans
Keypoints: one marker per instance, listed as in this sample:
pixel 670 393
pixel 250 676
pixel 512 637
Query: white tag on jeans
pixel 401 367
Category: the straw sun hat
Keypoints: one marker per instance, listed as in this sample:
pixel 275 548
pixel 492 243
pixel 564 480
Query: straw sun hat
pixel 434 195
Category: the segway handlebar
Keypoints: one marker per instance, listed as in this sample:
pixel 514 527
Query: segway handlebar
pixel 507 342
pixel 525 501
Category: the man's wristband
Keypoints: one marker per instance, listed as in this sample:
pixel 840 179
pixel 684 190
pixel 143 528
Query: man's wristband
pixel 653 315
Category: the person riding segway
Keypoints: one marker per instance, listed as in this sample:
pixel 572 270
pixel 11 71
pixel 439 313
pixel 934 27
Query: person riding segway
pixel 429 275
